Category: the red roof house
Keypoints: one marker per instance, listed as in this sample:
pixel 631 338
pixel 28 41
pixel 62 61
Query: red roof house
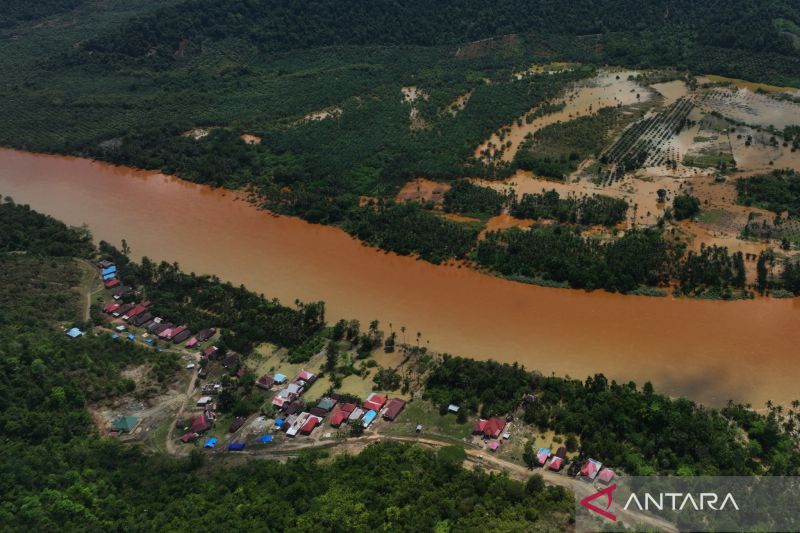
pixel 200 424
pixel 305 375
pixel 493 427
pixel 265 382
pixel 110 308
pixel 338 417
pixel 374 402
pixel 393 408
pixel 210 352
pixel 138 310
pixel 347 407
pixel 189 437
pixel 310 424
pixel 479 425
pixel 605 476
pixel 590 468
pixel 110 284
pixel 556 463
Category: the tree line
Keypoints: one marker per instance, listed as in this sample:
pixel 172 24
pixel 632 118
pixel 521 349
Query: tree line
pixel 636 429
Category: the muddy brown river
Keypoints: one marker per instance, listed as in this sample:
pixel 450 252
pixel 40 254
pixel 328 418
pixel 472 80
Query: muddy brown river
pixel 709 351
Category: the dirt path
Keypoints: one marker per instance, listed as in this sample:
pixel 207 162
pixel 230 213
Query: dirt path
pixel 86 286
pixel 170 441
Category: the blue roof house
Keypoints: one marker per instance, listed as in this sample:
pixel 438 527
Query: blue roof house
pixel 369 416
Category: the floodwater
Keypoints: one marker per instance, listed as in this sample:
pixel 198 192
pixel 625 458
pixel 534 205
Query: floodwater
pixel 609 88
pixel 710 351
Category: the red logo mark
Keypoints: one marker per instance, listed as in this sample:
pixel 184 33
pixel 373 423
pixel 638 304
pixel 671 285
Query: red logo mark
pixel 608 492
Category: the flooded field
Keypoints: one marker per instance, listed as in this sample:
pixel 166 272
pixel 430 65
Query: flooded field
pixel 710 351
pixel 609 88
pixel 752 108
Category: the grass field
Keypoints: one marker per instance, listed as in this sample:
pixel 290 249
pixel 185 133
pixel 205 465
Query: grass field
pixel 425 413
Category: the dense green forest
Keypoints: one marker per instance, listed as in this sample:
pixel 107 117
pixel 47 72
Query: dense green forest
pixel 57 473
pixel 778 191
pixel 465 198
pixel 643 432
pixel 563 255
pixel 130 82
pixel 586 210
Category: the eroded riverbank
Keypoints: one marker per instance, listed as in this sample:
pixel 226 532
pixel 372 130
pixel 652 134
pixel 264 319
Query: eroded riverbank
pixel 710 351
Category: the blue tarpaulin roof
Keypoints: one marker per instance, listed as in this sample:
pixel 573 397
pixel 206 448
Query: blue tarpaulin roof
pixel 280 378
pixel 131 337
pixel 107 277
pixel 235 447
pixel 74 332
pixel 210 443
pixel 115 336
pixel 109 270
pixel 369 417
pixel 279 422
pixel 149 341
pixel 265 439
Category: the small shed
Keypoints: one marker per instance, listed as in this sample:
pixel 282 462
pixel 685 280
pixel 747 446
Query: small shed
pixel 494 445
pixel 74 333
pixel 210 443
pixel 280 378
pixel 235 446
pixel 266 439
pixel 453 408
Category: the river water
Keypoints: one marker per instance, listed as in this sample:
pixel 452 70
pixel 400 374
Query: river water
pixel 709 351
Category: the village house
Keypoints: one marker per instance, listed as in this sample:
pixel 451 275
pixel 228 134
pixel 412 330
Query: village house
pixel 124 424
pixel 341 414
pixel 491 428
pixel 369 417
pixel 200 424
pixel 556 463
pixel 393 408
pixel 237 423
pixel 265 382
pixel 374 402
pixel 590 469
pixel 605 476
pixel 210 352
pixel 205 334
pixel 181 336
pixel 542 455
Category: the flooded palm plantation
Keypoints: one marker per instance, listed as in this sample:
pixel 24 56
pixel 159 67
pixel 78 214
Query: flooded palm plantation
pixel 707 350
